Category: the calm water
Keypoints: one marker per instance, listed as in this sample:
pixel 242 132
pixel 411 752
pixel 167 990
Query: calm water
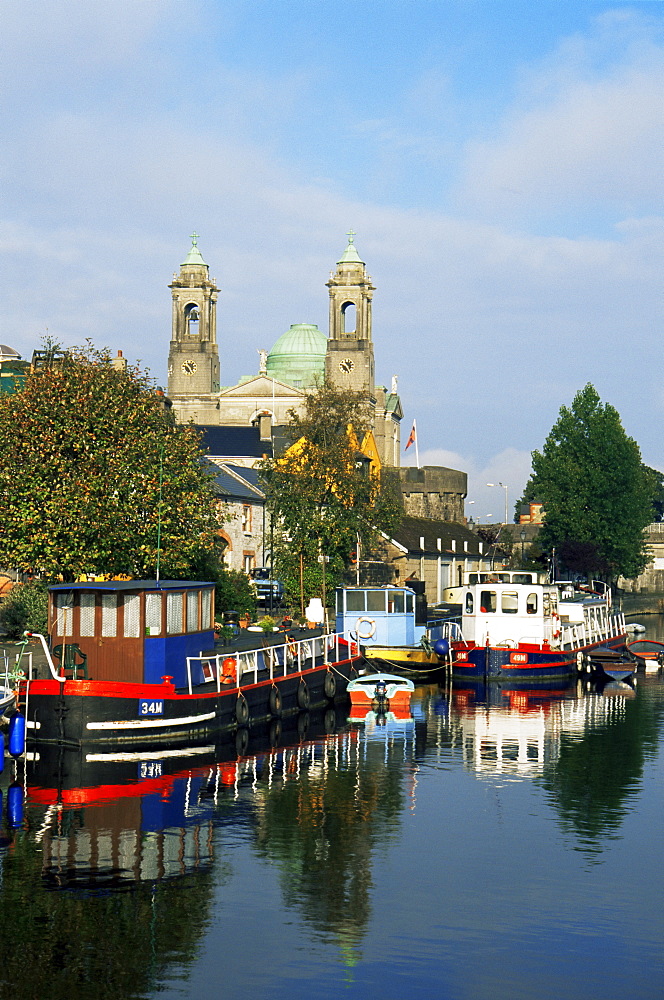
pixel 508 850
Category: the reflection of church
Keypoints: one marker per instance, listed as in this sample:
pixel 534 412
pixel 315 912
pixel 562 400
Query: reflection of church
pixel 303 355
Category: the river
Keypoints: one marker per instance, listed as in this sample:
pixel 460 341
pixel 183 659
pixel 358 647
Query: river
pixel 477 851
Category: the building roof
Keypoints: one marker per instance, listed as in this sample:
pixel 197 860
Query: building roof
pixel 230 486
pixel 8 353
pixel 194 255
pixel 350 254
pixel 233 442
pixel 299 355
pixel 413 529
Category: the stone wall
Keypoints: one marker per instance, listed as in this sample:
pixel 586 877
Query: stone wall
pixel 434 492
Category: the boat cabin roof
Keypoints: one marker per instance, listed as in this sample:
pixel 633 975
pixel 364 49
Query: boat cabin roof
pixel 124 585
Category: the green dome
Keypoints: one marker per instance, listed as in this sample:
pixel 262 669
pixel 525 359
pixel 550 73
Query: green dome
pixel 298 357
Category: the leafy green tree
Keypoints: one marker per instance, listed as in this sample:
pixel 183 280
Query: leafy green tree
pixel 95 476
pixel 322 495
pixel 597 494
pixel 26 607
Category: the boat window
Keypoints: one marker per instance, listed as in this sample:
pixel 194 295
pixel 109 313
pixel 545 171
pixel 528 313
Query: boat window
pixel 409 603
pixel 488 602
pixel 509 602
pixel 472 578
pixel 152 614
pixel 503 578
pixel 109 615
pixel 375 600
pixel 86 623
pixel 531 604
pixel 395 599
pixel 522 577
pixel 469 604
pixel 174 613
pixel 206 609
pixel 355 600
pixel 132 616
pixel 192 611
pixel 64 613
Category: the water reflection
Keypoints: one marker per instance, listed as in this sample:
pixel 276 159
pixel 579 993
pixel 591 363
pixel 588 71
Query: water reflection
pixel 113 875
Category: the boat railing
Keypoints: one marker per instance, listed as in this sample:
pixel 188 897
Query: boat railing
pixel 597 627
pixel 451 630
pixel 16 671
pixel 278 660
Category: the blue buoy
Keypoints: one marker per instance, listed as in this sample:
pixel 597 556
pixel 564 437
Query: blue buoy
pixel 441 647
pixel 17 735
pixel 15 805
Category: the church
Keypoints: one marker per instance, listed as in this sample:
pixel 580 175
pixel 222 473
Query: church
pixel 239 421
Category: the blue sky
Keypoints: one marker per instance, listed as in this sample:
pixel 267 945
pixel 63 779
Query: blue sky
pixel 500 163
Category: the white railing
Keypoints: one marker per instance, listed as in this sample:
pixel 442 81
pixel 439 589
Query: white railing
pixel 294 655
pixel 599 626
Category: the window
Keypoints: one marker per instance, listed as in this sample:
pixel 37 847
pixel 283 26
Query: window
pixel 488 602
pixel 469 604
pixel 206 609
pixel 153 614
pixel 409 603
pixel 132 615
pixel 355 600
pixel 248 561
pixel 192 611
pixel 246 519
pixel 109 615
pixel 87 615
pixel 64 612
pixel 509 603
pixel 395 601
pixel 174 613
pixel 375 600
pixel 531 604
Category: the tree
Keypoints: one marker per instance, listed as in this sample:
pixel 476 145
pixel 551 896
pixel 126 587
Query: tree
pixel 95 476
pixel 322 495
pixel 596 492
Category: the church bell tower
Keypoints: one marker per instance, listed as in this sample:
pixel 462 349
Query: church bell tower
pixel 349 362
pixel 193 359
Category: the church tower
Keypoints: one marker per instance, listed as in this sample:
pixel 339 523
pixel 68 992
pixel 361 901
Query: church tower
pixel 349 362
pixel 193 359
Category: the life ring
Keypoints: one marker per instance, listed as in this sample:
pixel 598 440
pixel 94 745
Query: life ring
pixel 241 711
pixel 303 696
pixel 228 670
pixel 372 628
pixel 330 686
pixel 275 701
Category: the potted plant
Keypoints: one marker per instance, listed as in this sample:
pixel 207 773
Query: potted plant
pixel 268 624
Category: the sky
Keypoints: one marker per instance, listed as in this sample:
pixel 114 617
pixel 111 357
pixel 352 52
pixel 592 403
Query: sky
pixel 499 162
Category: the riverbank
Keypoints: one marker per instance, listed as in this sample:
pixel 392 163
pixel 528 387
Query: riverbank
pixel 640 604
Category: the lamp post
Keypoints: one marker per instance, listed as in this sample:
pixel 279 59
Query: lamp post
pixel 522 536
pixel 505 488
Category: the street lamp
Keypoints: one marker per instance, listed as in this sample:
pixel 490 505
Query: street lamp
pixel 505 488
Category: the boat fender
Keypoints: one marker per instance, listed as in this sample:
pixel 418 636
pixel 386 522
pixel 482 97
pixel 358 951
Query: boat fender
pixel 275 700
pixel 241 711
pixel 579 661
pixel 441 647
pixel 555 622
pixel 330 684
pixel 17 735
pixel 303 697
pixel 15 805
pixel 370 632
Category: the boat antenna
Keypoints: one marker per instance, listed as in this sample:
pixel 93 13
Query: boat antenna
pixel 161 481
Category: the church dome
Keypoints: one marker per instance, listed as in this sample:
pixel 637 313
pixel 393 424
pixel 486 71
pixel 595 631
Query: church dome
pixel 298 357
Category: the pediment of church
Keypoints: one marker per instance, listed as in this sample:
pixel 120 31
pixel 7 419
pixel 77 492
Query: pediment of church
pixel 262 385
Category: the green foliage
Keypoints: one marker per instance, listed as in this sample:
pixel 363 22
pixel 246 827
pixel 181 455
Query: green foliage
pixel 596 492
pixel 321 496
pixel 658 496
pixel 95 477
pixel 233 590
pixel 25 608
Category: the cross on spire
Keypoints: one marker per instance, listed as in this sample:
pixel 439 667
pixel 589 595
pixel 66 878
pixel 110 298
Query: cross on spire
pixel 350 234
pixel 194 239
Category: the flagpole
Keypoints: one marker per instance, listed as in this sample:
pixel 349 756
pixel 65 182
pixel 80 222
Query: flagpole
pixel 417 450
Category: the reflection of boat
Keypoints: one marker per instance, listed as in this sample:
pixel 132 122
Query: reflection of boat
pixel 648 654
pixel 392 629
pixel 135 662
pixel 381 693
pixel 515 627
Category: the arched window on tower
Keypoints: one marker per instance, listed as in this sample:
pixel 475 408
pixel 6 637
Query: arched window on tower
pixel 348 318
pixel 191 316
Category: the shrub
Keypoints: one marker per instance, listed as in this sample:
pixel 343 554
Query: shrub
pixel 25 609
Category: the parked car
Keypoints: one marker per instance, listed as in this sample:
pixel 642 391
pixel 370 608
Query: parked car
pixel 269 593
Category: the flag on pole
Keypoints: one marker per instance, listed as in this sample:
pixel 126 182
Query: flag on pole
pixel 412 439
